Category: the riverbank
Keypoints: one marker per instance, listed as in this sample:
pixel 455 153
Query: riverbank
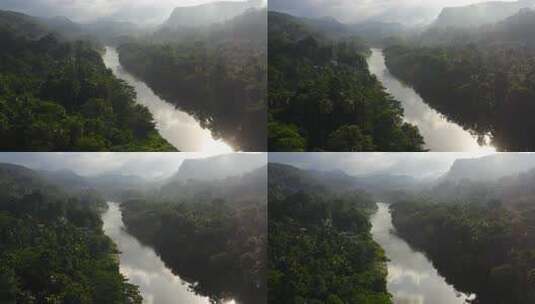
pixel 440 134
pixel 179 128
pixel 144 268
pixel 412 278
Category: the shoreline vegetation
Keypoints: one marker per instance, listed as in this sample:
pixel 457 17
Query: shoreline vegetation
pixel 320 245
pixel 53 245
pixel 59 96
pixel 326 99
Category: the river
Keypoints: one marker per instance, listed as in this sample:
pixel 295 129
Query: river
pixel 412 278
pixel 440 135
pixel 142 267
pixel 177 127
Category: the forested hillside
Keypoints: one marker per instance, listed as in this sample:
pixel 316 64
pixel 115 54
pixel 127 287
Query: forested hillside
pixel 213 234
pixel 320 246
pixel 481 237
pixel 52 247
pixel 325 98
pixel 482 79
pixel 216 73
pixel 59 96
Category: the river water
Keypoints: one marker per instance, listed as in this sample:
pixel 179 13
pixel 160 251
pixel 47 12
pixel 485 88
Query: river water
pixel 440 135
pixel 142 267
pixel 177 127
pixel 412 278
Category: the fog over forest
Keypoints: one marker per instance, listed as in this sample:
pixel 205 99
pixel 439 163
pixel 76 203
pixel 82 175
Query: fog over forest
pixel 138 11
pixel 418 165
pixel 409 12
pixel 148 165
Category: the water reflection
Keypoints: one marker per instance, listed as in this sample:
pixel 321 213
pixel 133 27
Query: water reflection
pixel 177 127
pixel 439 134
pixel 412 278
pixel 141 265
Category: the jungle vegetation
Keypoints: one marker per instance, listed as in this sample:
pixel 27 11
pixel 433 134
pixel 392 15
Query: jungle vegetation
pixel 322 96
pixel 320 246
pixel 58 96
pixel 52 246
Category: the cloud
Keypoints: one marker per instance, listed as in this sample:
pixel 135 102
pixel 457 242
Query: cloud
pixel 149 165
pixel 419 165
pixel 139 11
pixel 353 11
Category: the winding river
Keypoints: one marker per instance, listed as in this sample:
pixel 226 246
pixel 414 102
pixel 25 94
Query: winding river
pixel 142 267
pixel 440 135
pixel 412 278
pixel 177 127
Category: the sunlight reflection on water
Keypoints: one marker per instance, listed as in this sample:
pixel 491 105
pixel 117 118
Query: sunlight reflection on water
pixel 177 127
pixel 412 278
pixel 440 135
pixel 142 267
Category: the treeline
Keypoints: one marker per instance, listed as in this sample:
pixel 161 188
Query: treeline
pixel 320 247
pixel 59 96
pixel 482 249
pixel 222 82
pixel 217 245
pixel 52 247
pixel 323 97
pixel 488 90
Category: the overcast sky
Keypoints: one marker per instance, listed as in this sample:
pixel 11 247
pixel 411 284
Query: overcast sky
pixel 419 165
pixel 140 11
pixel 351 11
pixel 150 165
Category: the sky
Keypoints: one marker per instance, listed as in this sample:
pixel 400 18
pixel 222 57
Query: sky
pixel 140 11
pixel 410 12
pixel 148 165
pixel 418 165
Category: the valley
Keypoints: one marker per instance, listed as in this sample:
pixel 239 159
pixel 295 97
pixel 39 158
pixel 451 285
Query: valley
pixel 458 237
pixel 209 93
pixel 198 239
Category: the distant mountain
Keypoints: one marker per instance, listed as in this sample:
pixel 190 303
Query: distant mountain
pixel 23 25
pixel 288 179
pixel 519 28
pixel 490 168
pixel 476 15
pixel 238 190
pixel 219 167
pixel 210 13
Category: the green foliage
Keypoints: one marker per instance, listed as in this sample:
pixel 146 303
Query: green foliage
pixel 60 97
pixel 218 247
pixel 52 247
pixel 325 90
pixel 486 89
pixel 222 84
pixel 321 251
pixel 483 249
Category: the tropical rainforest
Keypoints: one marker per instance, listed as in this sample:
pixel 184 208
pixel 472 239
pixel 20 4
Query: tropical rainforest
pixel 52 247
pixel 481 78
pixel 57 95
pixel 213 234
pixel 322 96
pixel 480 235
pixel 320 246
pixel 217 73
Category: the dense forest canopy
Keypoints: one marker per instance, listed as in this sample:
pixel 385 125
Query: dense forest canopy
pixel 217 73
pixel 480 77
pixel 59 96
pixel 213 234
pixel 320 246
pixel 325 98
pixel 52 247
